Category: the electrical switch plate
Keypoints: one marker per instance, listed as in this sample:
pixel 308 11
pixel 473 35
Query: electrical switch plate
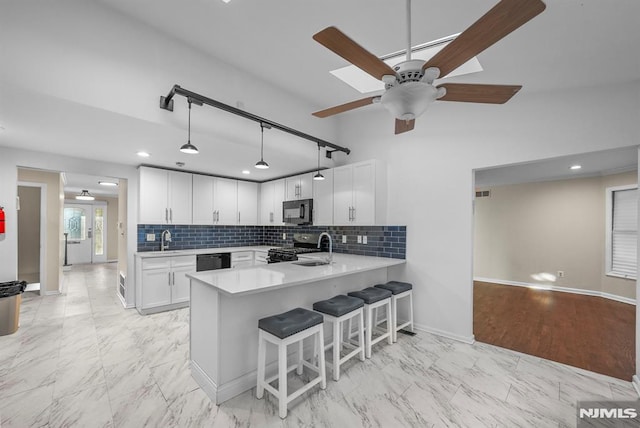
pixel 284 236
pixel 364 239
pixel 359 239
pixel 560 274
pixel 151 237
pixel 344 239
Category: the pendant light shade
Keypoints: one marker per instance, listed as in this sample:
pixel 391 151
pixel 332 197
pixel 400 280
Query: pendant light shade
pixel 261 164
pixel 189 148
pixel 318 176
pixel 85 196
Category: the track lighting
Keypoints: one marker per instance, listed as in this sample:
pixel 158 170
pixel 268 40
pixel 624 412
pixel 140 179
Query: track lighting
pixel 189 148
pixel 318 176
pixel 261 164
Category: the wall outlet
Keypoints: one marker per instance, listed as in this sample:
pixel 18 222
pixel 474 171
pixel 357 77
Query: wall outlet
pixel 359 239
pixel 284 236
pixel 364 239
pixel 560 274
pixel 344 239
pixel 151 237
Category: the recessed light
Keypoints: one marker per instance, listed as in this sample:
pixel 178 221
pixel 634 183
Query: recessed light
pixel 226 1
pixel 143 154
pixel 575 167
pixel 246 171
pixel 107 183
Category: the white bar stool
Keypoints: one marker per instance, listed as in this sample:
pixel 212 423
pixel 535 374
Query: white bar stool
pixel 337 310
pixel 373 299
pixel 282 330
pixel 399 290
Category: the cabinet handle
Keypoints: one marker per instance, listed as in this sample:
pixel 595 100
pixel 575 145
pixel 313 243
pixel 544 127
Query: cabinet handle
pixel 353 216
pixel 166 215
pixel 173 278
pixel 169 278
pixel 349 213
pixel 171 214
pixel 238 216
pixel 271 217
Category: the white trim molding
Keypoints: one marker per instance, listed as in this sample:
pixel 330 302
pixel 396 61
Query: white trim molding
pixel 464 339
pixel 548 287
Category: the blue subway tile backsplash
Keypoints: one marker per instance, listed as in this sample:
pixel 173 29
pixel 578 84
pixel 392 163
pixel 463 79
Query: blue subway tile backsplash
pixel 382 241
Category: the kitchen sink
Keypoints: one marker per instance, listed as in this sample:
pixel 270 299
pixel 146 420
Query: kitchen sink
pixel 312 263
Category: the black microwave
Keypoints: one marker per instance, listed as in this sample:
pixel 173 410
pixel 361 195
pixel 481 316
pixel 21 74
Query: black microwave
pixel 297 212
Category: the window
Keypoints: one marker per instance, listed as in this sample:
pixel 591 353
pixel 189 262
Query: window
pixel 75 224
pixel 622 231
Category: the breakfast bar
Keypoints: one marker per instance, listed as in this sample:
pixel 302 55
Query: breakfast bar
pixel 227 304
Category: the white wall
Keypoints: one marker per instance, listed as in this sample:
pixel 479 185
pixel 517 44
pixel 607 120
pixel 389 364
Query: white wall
pixel 430 175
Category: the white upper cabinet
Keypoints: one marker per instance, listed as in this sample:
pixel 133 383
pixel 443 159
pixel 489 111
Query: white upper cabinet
pixel 247 202
pixel 203 212
pixel 299 187
pixel 225 201
pixel 272 194
pixel 165 197
pixel 357 194
pixel 323 199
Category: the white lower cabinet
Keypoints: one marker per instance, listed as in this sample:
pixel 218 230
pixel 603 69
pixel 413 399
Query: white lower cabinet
pixel 241 259
pixel 260 257
pixel 162 283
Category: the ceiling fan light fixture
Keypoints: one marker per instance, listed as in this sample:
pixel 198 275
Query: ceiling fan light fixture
pixel 409 100
pixel 85 196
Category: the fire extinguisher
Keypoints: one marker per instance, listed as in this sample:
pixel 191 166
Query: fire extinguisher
pixel 1 219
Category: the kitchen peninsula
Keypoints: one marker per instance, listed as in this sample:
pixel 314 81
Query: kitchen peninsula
pixel 227 304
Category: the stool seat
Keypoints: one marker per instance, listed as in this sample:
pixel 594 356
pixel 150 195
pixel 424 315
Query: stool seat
pixel 396 287
pixel 289 323
pixel 338 305
pixel 371 294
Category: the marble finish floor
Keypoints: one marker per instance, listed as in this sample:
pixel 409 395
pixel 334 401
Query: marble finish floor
pixel 80 360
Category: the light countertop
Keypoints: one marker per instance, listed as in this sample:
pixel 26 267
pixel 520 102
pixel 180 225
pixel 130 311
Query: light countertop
pixel 171 253
pixel 258 279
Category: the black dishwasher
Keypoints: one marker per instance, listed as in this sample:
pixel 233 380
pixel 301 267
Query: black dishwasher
pixel 212 261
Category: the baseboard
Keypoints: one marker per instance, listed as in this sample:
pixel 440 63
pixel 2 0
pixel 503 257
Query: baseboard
pixel 465 339
pixel 208 386
pixel 49 292
pixel 636 384
pixel 602 294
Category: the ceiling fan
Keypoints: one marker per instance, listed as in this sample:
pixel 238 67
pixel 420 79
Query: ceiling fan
pixel 409 88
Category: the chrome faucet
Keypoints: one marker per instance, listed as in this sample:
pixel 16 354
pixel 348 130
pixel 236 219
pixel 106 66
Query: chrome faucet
pixel 165 238
pixel 330 258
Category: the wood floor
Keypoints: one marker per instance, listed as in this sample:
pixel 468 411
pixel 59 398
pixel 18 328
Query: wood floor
pixel 589 332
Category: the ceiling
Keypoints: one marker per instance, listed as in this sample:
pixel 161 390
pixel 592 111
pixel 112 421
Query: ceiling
pixel 76 183
pixel 574 43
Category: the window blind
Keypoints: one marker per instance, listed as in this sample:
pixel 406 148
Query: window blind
pixel 624 233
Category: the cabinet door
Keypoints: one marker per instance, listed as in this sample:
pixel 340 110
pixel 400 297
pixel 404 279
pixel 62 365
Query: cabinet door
pixel 153 208
pixel 156 289
pixel 180 194
pixel 364 193
pixel 323 199
pixel 279 189
pixel 342 195
pixel 306 186
pixel 180 283
pixel 203 199
pixel 292 188
pixel 225 198
pixel 267 215
pixel 247 202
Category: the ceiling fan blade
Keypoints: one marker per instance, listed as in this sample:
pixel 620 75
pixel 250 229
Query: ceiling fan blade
pixel 472 93
pixel 344 107
pixel 338 42
pixel 502 19
pixel 404 125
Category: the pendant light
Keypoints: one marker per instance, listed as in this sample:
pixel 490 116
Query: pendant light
pixel 189 148
pixel 85 196
pixel 261 164
pixel 318 176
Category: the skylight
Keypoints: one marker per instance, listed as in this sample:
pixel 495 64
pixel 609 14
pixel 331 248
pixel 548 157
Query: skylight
pixel 365 83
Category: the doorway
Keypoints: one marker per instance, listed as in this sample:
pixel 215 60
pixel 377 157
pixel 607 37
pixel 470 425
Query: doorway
pixel 31 214
pixel 85 229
